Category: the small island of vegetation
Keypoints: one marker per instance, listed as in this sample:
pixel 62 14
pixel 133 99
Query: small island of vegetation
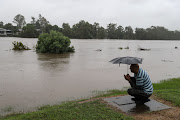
pixel 54 42
pixel 19 46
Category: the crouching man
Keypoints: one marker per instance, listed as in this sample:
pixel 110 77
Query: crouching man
pixel 141 84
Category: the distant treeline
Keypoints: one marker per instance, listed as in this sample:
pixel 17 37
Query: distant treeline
pixel 85 30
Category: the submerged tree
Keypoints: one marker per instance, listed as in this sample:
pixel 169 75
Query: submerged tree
pixel 54 42
pixel 19 46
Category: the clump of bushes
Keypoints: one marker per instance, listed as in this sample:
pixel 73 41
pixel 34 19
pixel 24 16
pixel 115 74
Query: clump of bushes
pixel 54 42
pixel 19 46
pixel 124 48
pixel 120 48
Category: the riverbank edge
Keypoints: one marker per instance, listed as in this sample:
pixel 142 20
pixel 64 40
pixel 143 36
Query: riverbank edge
pixel 94 108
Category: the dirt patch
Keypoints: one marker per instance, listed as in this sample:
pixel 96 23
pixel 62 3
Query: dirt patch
pixel 168 114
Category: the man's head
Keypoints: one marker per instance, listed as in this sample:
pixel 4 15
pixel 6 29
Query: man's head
pixel 134 68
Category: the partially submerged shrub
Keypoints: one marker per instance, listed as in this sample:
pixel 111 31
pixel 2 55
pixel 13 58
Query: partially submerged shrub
pixel 126 47
pixel 54 42
pixel 120 48
pixel 144 49
pixel 19 46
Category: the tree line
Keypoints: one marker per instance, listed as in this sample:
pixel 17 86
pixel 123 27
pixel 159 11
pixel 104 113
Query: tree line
pixel 85 30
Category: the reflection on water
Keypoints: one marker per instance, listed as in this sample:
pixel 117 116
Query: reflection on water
pixel 139 108
pixel 54 61
pixel 30 79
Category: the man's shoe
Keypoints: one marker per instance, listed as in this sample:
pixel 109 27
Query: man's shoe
pixel 134 99
pixel 147 100
pixel 142 101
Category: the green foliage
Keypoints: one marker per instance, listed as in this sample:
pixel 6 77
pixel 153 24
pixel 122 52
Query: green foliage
pixel 169 90
pixel 54 42
pixel 19 46
pixel 66 30
pixel 93 110
pixel 128 33
pixel 9 26
pixel 140 33
pixel 120 32
pixel 19 20
pixel 111 31
pixel 173 83
pixel 29 31
pixel 101 33
pixel 156 33
pixel 172 95
pixel 49 27
pixel 1 24
pixel 42 23
pixel 85 30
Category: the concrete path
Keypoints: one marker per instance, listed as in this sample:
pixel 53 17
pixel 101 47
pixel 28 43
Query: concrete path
pixel 125 104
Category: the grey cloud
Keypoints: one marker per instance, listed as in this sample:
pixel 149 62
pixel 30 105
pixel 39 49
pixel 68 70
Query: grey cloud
pixel 137 13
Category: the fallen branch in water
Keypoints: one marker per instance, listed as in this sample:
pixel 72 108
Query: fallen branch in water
pixel 19 46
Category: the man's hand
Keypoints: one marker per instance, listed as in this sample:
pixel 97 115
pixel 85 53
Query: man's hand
pixel 127 77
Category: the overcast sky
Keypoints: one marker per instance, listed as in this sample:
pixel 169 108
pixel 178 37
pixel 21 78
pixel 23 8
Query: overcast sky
pixel 136 13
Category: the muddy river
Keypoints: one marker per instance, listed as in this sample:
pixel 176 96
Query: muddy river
pixel 29 79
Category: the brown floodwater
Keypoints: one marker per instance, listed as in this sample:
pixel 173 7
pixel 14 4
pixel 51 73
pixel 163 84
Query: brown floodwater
pixel 29 79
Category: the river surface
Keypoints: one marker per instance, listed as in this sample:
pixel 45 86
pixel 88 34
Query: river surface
pixel 29 79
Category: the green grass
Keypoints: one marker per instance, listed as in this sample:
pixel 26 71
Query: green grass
pixel 96 110
pixel 168 90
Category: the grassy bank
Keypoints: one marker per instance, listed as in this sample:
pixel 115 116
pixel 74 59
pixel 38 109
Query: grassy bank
pixel 169 90
pixel 75 110
pixel 94 110
pixel 97 110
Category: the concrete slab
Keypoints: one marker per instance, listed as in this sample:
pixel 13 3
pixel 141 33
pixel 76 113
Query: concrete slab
pixel 125 104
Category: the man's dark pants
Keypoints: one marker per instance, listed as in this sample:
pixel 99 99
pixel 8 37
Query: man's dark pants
pixel 138 93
